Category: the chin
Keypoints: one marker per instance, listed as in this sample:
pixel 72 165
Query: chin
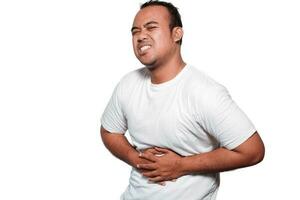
pixel 149 63
pixel 151 67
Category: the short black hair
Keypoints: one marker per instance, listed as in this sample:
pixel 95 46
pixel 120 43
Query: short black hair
pixel 175 18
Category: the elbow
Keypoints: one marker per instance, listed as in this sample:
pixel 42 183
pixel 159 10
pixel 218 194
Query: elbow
pixel 252 151
pixel 255 151
pixel 258 158
pixel 257 155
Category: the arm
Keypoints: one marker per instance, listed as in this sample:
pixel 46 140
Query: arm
pixel 171 165
pixel 248 153
pixel 119 146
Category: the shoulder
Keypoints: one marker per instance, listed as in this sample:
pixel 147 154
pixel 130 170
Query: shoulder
pixel 206 95
pixel 202 85
pixel 134 75
pixel 130 80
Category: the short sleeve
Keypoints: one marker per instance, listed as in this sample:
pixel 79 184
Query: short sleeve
pixel 224 120
pixel 113 118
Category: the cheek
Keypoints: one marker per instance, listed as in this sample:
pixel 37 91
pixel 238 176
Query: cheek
pixel 163 36
pixel 134 44
pixel 162 39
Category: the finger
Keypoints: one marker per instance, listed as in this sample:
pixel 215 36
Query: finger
pixel 151 174
pixel 151 150
pixel 149 157
pixel 144 170
pixel 156 179
pixel 162 150
pixel 150 166
pixel 146 149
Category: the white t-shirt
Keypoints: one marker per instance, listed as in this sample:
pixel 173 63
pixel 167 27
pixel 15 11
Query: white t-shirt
pixel 189 114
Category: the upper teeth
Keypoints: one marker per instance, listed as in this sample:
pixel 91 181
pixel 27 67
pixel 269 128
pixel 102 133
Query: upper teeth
pixel 145 48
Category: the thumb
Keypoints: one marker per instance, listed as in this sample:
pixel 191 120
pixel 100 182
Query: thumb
pixel 162 150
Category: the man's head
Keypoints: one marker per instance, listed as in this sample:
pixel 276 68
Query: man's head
pixel 156 33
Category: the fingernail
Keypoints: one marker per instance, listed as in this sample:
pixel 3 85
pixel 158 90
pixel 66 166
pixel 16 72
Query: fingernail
pixel 140 154
pixel 138 166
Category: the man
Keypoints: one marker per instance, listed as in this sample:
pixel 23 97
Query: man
pixel 184 126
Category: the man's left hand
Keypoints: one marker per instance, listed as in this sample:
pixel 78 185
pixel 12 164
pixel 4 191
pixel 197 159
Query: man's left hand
pixel 163 168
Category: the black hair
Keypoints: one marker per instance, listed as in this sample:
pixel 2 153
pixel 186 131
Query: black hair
pixel 175 18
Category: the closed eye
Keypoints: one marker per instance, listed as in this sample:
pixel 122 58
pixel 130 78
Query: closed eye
pixel 151 27
pixel 134 32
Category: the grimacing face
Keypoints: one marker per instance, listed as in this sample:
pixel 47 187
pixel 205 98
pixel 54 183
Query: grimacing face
pixel 153 42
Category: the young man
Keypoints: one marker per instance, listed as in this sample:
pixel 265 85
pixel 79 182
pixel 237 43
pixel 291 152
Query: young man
pixel 184 126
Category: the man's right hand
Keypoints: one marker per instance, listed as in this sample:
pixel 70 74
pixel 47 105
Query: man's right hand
pixel 119 146
pixel 153 151
pixel 150 150
pixel 140 160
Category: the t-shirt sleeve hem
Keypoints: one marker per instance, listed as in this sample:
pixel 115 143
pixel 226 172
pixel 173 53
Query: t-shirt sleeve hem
pixel 241 140
pixel 112 130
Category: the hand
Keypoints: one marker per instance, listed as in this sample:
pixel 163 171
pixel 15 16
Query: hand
pixel 149 151
pixel 161 168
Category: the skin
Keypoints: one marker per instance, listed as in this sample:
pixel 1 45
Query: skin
pixel 164 61
pixel 172 166
pixel 119 146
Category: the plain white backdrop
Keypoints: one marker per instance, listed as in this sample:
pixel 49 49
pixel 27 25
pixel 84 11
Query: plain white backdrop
pixel 61 59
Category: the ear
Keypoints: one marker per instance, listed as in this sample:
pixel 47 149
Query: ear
pixel 177 33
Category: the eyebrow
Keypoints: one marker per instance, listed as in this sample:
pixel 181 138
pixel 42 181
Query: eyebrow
pixel 147 24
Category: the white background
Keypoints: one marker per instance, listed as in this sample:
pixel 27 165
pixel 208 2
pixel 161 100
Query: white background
pixel 60 60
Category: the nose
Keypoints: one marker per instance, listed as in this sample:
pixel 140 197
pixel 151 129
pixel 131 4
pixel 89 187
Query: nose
pixel 141 39
pixel 142 36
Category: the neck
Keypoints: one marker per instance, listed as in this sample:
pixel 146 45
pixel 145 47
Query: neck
pixel 167 71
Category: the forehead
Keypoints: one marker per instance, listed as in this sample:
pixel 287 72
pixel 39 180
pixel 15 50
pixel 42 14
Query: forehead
pixel 156 13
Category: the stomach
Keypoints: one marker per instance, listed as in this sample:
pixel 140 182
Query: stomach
pixel 192 187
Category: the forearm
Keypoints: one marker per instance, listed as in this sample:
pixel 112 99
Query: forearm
pixel 218 160
pixel 119 146
pixel 249 153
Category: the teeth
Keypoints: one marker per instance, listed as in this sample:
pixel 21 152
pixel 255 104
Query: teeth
pixel 144 48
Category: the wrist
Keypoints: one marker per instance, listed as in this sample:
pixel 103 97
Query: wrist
pixel 184 167
pixel 133 157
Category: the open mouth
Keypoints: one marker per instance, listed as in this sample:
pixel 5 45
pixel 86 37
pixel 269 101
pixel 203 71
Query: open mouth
pixel 144 49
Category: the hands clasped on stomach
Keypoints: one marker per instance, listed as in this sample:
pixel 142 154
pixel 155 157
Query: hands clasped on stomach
pixel 160 165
